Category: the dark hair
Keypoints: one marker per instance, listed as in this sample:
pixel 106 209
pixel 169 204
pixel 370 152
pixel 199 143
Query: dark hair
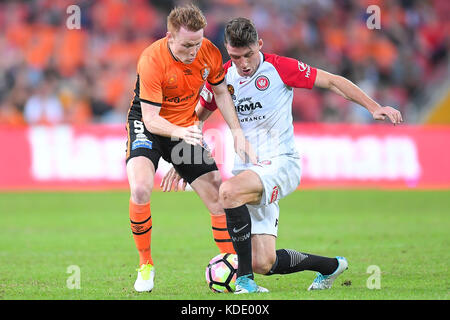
pixel 240 32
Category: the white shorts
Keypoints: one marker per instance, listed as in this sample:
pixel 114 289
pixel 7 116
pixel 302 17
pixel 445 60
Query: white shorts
pixel 280 176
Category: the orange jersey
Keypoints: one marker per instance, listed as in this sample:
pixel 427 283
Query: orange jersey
pixel 174 86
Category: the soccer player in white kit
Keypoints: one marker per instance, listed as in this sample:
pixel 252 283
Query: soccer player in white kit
pixel 261 86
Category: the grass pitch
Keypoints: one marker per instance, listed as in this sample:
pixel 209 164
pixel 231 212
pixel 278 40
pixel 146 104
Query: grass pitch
pixel 404 233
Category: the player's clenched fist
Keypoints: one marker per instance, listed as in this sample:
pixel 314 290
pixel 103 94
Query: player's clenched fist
pixel 393 114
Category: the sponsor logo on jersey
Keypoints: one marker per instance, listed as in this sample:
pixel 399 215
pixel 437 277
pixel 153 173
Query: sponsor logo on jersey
pixel 302 67
pixel 230 88
pixel 231 91
pixel 262 83
pixel 246 107
pixel 204 72
pixel 141 142
pixel 178 99
pixel 265 163
pixel 251 119
pixel 172 80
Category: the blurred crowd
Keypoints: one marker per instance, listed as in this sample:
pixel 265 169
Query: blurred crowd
pixel 52 74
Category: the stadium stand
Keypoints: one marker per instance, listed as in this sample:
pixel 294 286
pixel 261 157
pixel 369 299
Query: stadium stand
pixel 50 74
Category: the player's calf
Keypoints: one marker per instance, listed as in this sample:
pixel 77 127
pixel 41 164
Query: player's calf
pixel 220 233
pixel 141 227
pixel 239 226
pixel 290 261
pixel 207 188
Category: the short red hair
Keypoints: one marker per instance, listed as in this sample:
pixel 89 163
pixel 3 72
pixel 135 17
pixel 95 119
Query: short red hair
pixel 190 17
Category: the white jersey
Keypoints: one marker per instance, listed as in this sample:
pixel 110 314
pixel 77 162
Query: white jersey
pixel 263 103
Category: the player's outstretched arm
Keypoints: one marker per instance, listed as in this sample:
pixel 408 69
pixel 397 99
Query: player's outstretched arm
pixel 352 92
pixel 242 147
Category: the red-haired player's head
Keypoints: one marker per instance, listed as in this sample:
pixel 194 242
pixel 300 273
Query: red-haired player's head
pixel 185 32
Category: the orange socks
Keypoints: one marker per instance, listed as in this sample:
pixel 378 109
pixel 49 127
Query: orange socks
pixel 141 226
pixel 220 233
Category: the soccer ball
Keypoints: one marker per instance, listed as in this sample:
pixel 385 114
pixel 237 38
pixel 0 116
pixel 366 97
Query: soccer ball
pixel 221 272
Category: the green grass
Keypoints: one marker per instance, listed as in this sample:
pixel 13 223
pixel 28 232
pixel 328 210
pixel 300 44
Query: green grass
pixel 404 233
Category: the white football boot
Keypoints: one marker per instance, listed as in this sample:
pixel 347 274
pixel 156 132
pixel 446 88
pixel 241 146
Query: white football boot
pixel 145 277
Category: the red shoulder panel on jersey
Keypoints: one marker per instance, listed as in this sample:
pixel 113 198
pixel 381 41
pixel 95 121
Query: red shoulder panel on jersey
pixel 294 73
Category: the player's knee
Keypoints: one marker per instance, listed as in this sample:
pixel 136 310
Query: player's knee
pixel 216 180
pixel 227 195
pixel 140 193
pixel 262 266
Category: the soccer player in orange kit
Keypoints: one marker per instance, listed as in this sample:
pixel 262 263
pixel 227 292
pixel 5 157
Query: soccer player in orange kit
pixel 162 122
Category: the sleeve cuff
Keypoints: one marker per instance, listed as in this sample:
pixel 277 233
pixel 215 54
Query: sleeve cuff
pixel 217 83
pixel 150 102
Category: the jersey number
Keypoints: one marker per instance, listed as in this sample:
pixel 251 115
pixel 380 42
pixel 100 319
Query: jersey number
pixel 138 126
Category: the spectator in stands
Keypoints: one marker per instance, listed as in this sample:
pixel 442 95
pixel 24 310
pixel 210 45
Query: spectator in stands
pixel 44 106
pixel 413 43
